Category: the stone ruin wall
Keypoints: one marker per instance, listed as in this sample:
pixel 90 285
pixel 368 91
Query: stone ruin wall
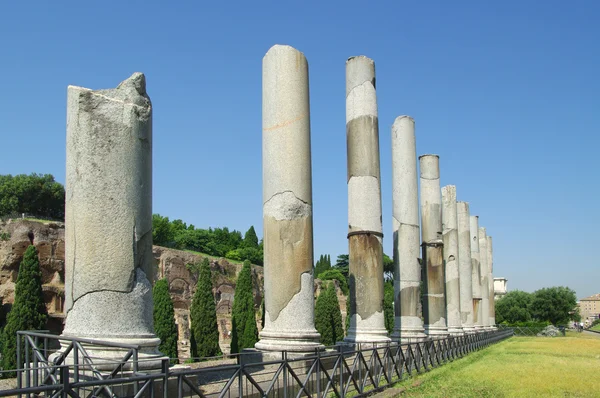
pixel 49 239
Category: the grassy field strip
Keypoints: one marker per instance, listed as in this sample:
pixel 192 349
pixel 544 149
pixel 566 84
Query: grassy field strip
pixel 519 367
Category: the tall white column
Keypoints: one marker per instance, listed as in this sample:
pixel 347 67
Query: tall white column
pixel 365 232
pixel 476 272
pixel 434 303
pixel 490 259
pixel 465 267
pixel 451 259
pixel 408 326
pixel 108 217
pixel 287 204
pixel 485 292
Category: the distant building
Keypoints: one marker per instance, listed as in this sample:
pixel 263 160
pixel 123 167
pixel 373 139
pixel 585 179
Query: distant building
pixel 589 308
pixel 499 288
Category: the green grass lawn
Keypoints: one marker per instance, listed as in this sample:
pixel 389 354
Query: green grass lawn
pixel 596 328
pixel 518 367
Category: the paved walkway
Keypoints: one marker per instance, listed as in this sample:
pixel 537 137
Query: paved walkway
pixel 588 333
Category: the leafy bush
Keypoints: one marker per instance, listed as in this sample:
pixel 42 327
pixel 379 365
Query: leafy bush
pixel 328 318
pixel 336 274
pixel 28 311
pixel 244 333
pixel 164 320
pixel 205 332
pixel 388 305
pixel 4 236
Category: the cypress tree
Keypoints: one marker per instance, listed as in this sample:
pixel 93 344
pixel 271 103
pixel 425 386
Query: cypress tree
pixel 244 332
pixel 328 318
pixel 28 311
pixel 164 319
pixel 250 238
pixel 205 332
pixel 388 305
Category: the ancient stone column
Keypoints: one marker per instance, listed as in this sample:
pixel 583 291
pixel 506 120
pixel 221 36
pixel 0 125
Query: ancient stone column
pixel 408 326
pixel 485 294
pixel 365 235
pixel 490 259
pixel 434 303
pixel 476 272
pixel 287 204
pixel 108 215
pixel 451 259
pixel 465 267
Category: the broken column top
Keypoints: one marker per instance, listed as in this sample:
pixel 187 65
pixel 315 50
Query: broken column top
pixel 130 91
pixel 359 70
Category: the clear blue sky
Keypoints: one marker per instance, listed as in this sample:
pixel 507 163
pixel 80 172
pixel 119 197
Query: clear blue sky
pixel 507 93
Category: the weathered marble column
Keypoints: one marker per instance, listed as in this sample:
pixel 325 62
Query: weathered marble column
pixel 408 326
pixel 434 300
pixel 451 259
pixel 485 293
pixel 465 267
pixel 490 259
pixel 287 204
pixel 364 204
pixel 108 216
pixel 476 272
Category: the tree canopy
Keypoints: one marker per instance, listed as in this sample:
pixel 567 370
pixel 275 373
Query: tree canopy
pixel 218 242
pixel 554 304
pixel 35 194
pixel 328 318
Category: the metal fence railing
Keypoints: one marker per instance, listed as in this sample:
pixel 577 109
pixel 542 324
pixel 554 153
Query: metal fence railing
pixel 536 331
pixel 340 371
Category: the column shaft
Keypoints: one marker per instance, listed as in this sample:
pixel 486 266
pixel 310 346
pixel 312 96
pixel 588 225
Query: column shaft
pixel 364 204
pixel 451 259
pixel 476 272
pixel 485 292
pixel 434 300
pixel 408 325
pixel 108 215
pixel 465 267
pixel 491 282
pixel 287 204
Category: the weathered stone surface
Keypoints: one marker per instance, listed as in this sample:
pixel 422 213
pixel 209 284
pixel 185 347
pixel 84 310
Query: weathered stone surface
pixel 434 299
pixel 451 259
pixel 476 272
pixel 490 253
pixel 485 294
pixel 465 266
pixel 408 325
pixel 108 214
pixel 287 204
pixel 367 322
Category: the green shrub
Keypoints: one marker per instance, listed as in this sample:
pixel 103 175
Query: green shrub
pixel 336 274
pixel 388 305
pixel 164 320
pixel 28 311
pixel 205 332
pixel 4 236
pixel 244 333
pixel 328 318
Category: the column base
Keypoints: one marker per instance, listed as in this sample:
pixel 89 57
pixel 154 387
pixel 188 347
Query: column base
pixel 436 331
pixel 104 356
pixel 307 341
pixel 469 329
pixel 456 332
pixel 406 336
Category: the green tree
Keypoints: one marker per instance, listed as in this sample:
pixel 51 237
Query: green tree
pixel 388 268
pixel 328 318
pixel 28 311
pixel 162 235
pixel 205 332
pixel 514 307
pixel 34 194
pixel 244 333
pixel 250 238
pixel 335 273
pixel 553 304
pixel 164 320
pixel 322 265
pixel 388 305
